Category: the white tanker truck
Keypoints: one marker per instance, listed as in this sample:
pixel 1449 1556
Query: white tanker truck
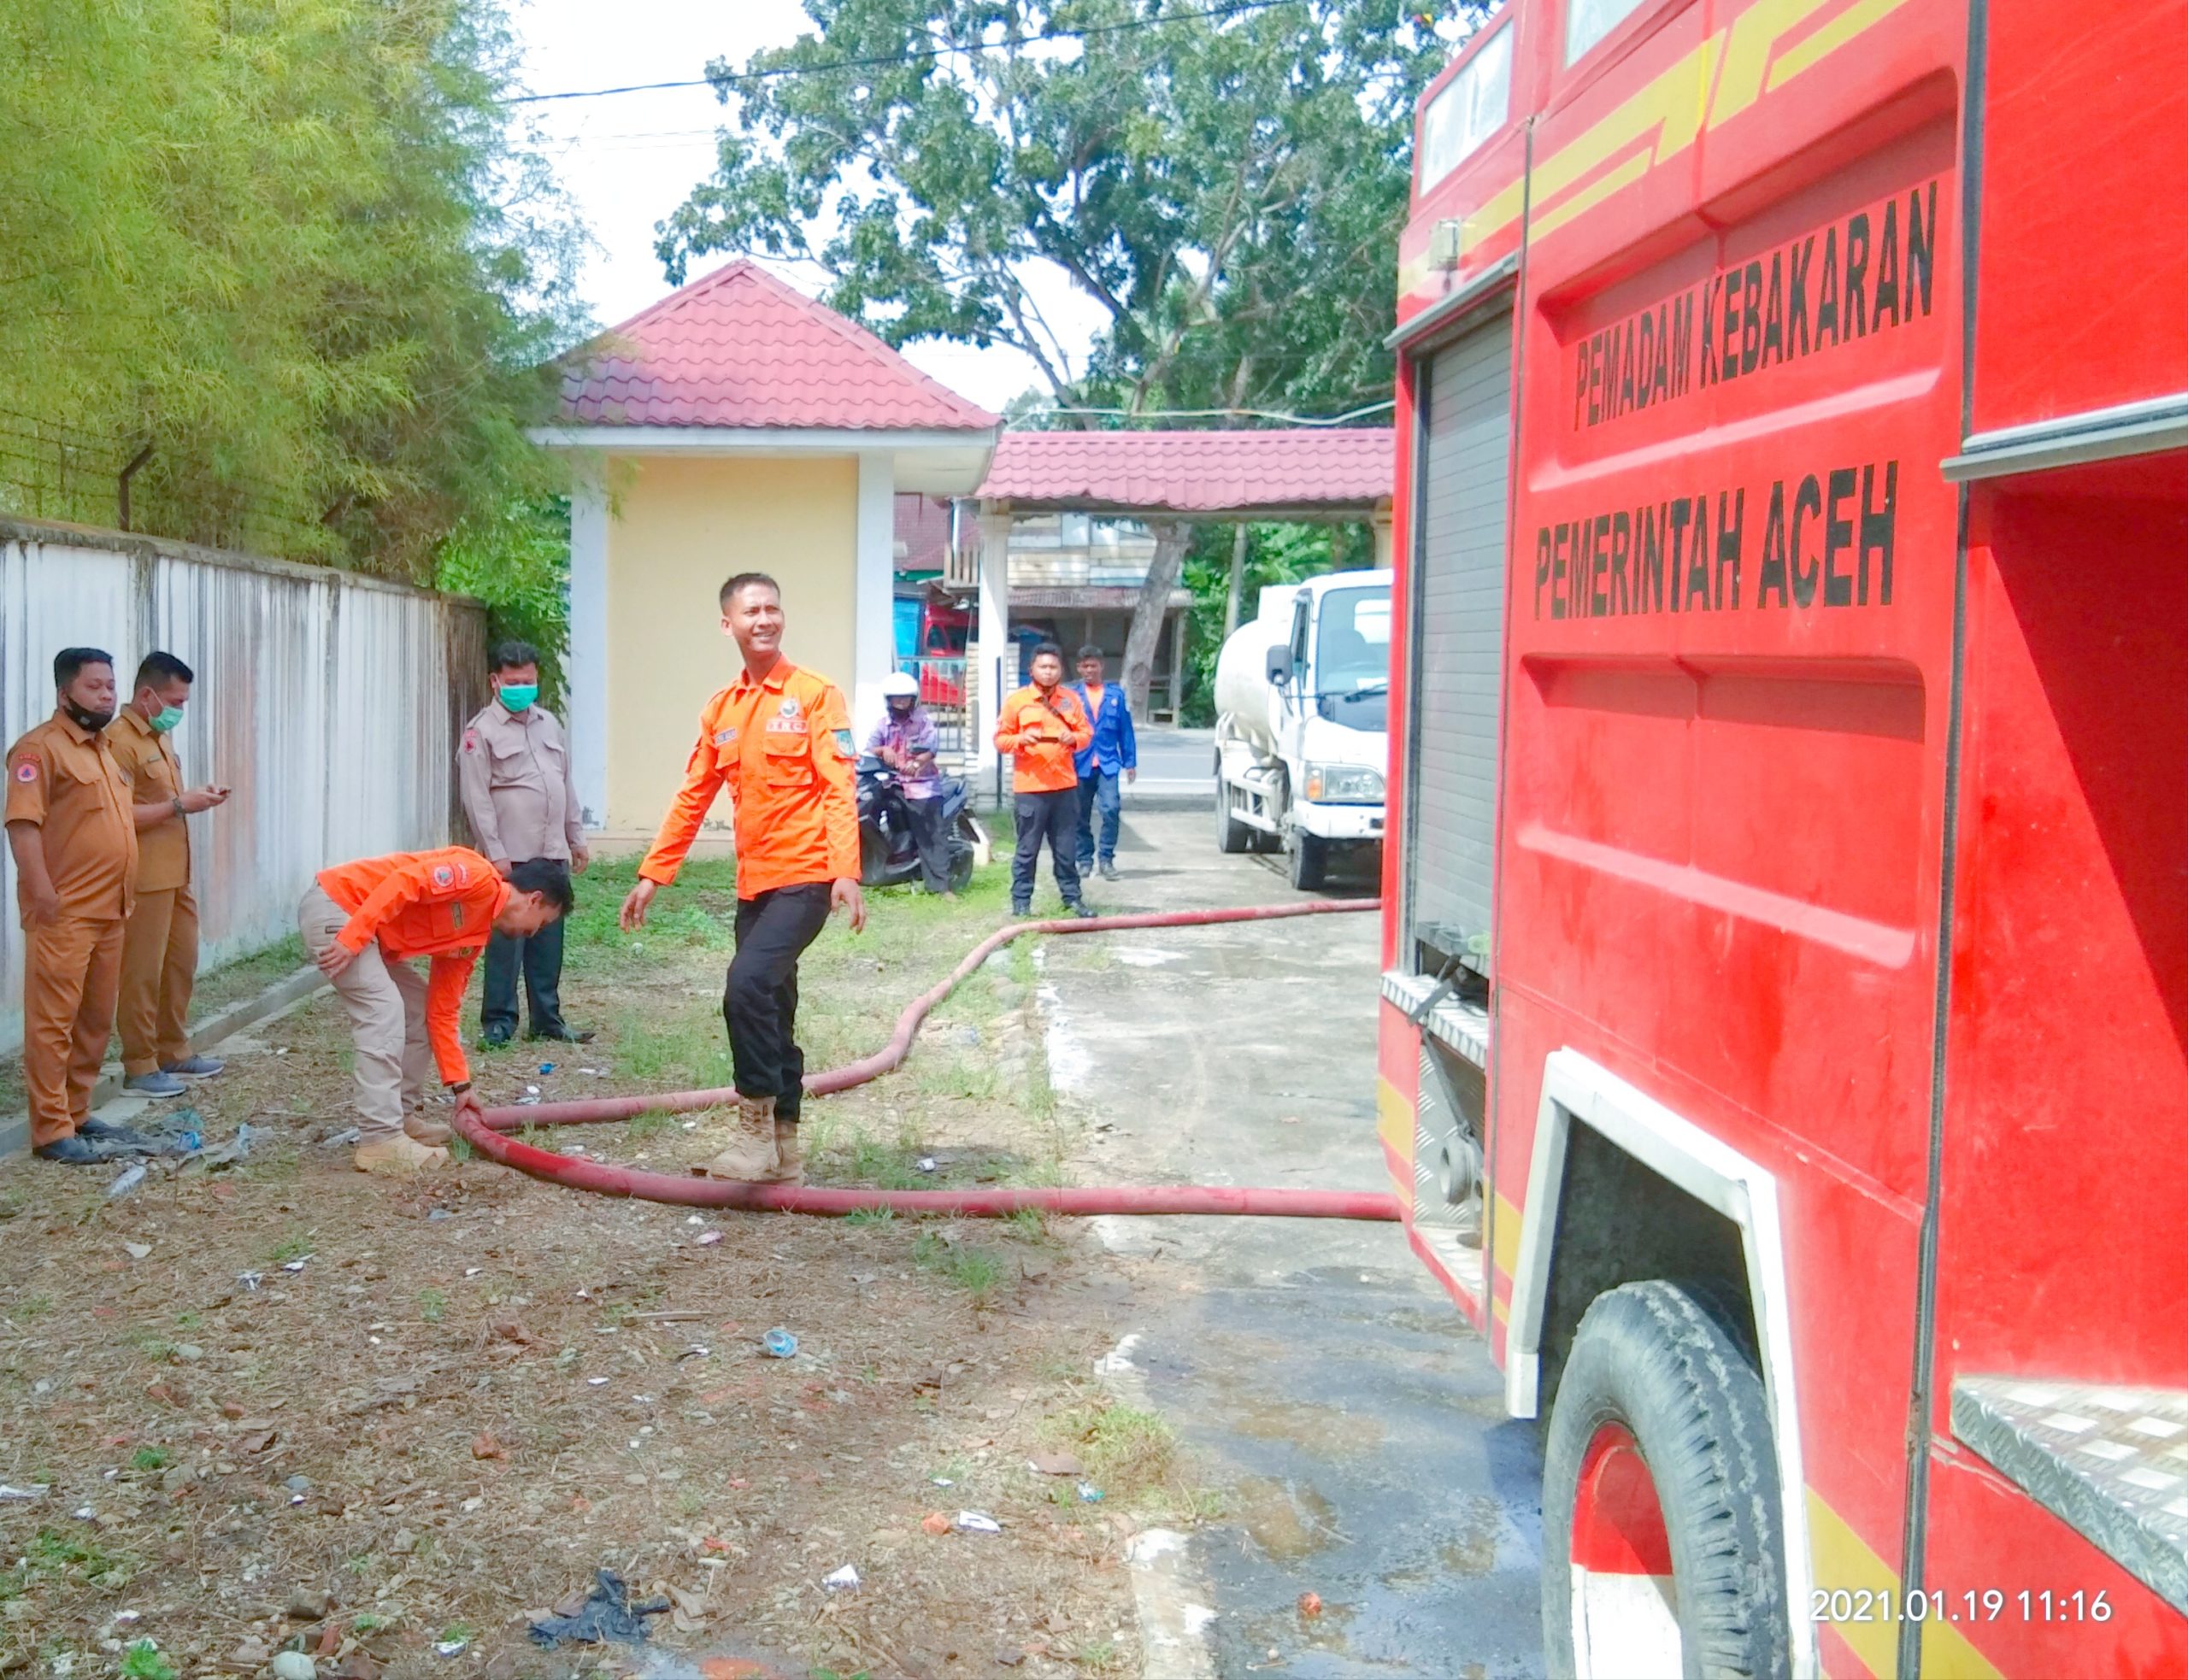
pixel 1301 699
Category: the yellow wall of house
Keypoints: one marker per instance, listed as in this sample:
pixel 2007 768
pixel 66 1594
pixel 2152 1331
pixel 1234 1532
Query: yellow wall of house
pixel 680 526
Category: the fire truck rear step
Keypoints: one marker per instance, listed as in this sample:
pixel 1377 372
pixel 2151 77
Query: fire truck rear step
pixel 2111 1463
pixel 1458 1022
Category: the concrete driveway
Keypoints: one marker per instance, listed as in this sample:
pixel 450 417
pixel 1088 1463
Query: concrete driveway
pixel 1352 1422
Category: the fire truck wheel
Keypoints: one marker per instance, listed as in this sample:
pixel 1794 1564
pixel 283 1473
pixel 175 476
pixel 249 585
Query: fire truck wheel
pixel 1661 1544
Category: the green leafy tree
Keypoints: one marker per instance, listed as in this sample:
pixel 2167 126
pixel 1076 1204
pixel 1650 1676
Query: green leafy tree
pixel 1275 553
pixel 289 257
pixel 516 557
pixel 1225 180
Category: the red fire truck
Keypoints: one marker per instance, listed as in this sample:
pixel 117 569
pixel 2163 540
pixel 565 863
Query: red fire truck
pixel 1786 940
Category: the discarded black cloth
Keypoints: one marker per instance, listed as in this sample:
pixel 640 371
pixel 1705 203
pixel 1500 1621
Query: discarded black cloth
pixel 609 1617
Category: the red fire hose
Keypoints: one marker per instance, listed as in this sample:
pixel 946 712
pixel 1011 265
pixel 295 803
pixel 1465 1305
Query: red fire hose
pixel 602 1178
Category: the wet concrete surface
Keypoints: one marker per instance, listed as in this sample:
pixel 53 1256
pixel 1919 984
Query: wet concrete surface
pixel 1327 1388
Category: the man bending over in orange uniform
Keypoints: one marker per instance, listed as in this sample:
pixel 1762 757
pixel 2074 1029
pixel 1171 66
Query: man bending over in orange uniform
pixel 362 921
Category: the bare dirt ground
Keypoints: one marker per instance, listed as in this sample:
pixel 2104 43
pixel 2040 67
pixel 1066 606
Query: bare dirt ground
pixel 280 1406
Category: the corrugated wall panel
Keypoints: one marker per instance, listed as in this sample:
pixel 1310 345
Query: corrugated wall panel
pixel 1459 609
pixel 329 704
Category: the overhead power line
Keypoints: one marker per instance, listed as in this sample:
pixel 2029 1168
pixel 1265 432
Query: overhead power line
pixel 1152 414
pixel 915 56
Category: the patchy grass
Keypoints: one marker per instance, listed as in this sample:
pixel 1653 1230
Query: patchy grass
pixel 1129 1452
pixel 143 1662
pixel 979 1271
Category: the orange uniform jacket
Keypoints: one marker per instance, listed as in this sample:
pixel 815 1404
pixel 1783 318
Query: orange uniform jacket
pixel 783 749
pixel 440 905
pixel 1041 741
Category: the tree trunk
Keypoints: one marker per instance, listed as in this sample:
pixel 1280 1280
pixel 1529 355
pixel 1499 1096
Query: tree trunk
pixel 1237 580
pixel 1170 538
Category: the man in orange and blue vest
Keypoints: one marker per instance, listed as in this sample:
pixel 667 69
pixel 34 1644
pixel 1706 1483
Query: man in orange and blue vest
pixel 779 739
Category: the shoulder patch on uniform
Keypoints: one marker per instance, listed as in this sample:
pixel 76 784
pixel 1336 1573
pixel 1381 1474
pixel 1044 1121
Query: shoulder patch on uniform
pixel 844 744
pixel 444 875
pixel 470 740
pixel 27 769
pixel 724 737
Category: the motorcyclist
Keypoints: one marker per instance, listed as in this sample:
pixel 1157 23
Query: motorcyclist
pixel 907 740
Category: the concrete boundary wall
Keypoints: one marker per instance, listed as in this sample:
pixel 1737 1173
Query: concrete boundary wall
pixel 331 703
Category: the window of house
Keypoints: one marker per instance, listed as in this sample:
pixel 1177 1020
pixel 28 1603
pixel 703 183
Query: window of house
pixel 1469 108
pixel 1587 21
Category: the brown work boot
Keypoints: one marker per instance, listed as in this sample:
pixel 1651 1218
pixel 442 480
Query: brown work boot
pixel 751 1157
pixel 790 1153
pixel 426 1129
pixel 396 1156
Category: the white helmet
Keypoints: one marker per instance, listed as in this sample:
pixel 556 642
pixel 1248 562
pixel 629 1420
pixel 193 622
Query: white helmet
pixel 900 686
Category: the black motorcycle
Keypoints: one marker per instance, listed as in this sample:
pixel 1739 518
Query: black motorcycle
pixel 888 851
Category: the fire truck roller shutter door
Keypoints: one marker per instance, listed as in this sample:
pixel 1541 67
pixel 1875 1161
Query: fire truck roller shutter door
pixel 1458 592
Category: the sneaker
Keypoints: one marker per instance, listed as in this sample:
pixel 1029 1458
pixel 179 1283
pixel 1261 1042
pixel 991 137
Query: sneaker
pixel 1109 869
pixel 78 1151
pixel 194 1067
pixel 561 1033
pixel 394 1156
pixel 158 1082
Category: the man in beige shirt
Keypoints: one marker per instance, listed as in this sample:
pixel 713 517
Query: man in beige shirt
pixel 521 795
pixel 159 945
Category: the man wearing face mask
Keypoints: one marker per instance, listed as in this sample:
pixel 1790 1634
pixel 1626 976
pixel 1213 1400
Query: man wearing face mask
pixel 159 947
pixel 520 794
pixel 73 836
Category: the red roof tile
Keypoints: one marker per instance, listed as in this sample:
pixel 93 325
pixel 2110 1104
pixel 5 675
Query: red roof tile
pixel 1195 472
pixel 740 349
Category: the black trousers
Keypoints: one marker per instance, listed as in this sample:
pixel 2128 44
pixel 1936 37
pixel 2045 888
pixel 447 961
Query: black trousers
pixel 933 843
pixel 538 957
pixel 1053 817
pixel 759 1002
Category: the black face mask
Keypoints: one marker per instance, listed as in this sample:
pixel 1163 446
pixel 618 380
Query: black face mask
pixel 84 718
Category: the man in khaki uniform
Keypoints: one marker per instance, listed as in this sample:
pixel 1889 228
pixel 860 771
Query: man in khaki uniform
pixel 521 795
pixel 159 948
pixel 73 837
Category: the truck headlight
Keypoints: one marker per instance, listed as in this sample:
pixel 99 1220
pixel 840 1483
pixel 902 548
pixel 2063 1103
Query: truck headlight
pixel 1344 784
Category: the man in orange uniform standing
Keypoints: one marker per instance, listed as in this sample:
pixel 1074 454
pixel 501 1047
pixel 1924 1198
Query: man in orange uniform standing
pixel 73 836
pixel 362 921
pixel 1044 729
pixel 779 739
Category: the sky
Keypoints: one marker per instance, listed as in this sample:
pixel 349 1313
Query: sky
pixel 629 160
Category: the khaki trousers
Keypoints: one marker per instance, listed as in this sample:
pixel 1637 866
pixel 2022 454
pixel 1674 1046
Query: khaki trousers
pixel 158 966
pixel 385 1002
pixel 72 970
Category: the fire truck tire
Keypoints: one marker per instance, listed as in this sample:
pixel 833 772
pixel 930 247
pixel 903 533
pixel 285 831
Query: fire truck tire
pixel 1661 1539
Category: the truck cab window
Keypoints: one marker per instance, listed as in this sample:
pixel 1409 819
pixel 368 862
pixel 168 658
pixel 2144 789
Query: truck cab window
pixel 1352 664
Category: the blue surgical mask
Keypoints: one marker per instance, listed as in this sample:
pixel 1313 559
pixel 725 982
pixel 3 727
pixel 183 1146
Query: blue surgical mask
pixel 169 718
pixel 517 696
